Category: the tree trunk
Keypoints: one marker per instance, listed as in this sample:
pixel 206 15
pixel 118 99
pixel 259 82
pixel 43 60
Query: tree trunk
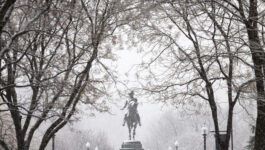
pixel 258 60
pixel 257 53
pixel 223 145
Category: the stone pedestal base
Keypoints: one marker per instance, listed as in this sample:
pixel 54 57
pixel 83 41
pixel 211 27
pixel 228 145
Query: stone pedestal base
pixel 131 145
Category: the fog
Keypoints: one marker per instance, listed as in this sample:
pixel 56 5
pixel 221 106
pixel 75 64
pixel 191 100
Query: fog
pixel 162 124
pixel 196 69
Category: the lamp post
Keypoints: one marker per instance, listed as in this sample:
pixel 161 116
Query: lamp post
pixel 96 148
pixel 204 134
pixel 87 145
pixel 176 145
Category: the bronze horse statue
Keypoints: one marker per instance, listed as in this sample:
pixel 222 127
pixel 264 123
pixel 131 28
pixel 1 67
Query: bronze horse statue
pixel 132 119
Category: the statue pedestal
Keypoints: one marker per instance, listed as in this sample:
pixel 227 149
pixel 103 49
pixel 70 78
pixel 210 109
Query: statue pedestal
pixel 131 145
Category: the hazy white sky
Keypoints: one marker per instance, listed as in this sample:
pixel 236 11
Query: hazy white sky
pixel 111 124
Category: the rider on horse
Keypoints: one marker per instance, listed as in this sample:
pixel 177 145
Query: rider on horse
pixel 132 100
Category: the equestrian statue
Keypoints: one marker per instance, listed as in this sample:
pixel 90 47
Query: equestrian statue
pixel 131 116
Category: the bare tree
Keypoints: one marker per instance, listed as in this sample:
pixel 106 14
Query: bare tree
pixel 172 127
pixel 206 59
pixel 250 15
pixel 48 70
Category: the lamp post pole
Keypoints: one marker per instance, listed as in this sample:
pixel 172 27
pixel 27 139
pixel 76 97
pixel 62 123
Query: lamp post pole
pixel 204 134
pixel 204 138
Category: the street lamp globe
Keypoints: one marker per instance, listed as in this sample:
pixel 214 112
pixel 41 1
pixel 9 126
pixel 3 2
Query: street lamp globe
pixel 204 130
pixel 176 143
